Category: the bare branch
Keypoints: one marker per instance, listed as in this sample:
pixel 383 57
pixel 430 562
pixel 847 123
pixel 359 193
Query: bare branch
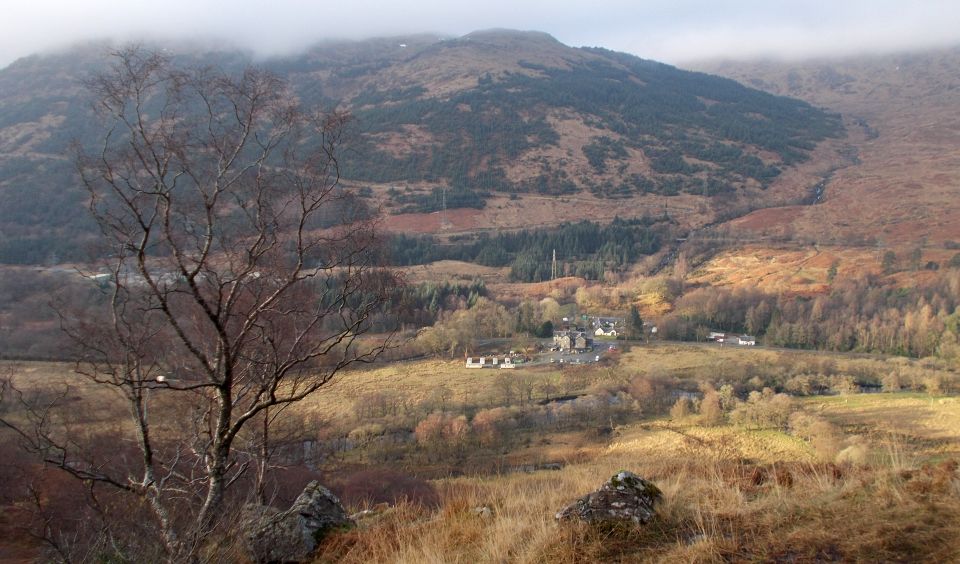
pixel 231 296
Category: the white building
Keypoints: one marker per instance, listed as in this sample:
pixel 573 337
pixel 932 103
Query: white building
pixel 606 332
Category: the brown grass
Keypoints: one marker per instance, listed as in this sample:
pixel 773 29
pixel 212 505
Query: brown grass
pixel 453 270
pixel 715 509
pixel 457 220
pixel 915 426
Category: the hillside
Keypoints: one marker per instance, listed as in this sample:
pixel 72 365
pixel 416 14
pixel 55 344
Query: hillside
pixel 523 113
pixel 903 189
pixel 511 129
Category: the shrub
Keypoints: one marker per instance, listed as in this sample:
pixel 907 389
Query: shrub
pixel 681 408
pixel 857 453
pixel 710 411
pixel 653 393
pixel 363 434
pixel 824 437
pixel 800 385
pixel 764 410
pixel 892 382
pixel 491 426
pixel 933 384
pixel 844 384
pixel 441 428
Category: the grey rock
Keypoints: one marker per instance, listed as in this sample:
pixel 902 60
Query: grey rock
pixel 625 497
pixel 272 535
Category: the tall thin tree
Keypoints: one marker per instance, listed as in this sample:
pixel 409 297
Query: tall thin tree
pixel 242 278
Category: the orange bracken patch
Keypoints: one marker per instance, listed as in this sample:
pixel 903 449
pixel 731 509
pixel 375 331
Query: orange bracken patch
pixel 768 219
pixel 457 220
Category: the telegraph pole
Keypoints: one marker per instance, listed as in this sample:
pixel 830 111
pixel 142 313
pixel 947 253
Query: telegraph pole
pixel 444 224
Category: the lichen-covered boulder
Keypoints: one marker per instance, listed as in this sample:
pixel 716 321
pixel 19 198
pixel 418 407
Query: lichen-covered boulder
pixel 272 535
pixel 625 497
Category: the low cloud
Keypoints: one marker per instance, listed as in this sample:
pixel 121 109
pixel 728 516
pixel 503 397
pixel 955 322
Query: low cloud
pixel 672 31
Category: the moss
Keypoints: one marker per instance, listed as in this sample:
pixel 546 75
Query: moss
pixel 651 490
pixel 321 533
pixel 629 480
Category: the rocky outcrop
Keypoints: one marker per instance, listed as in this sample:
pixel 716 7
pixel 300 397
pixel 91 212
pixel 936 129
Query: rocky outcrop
pixel 625 497
pixel 272 535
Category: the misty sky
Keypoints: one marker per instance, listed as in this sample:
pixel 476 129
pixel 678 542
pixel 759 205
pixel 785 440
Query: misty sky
pixel 673 31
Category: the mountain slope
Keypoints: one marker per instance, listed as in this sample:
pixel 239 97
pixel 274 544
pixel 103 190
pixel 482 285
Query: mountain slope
pixel 904 187
pixel 520 112
pixel 498 119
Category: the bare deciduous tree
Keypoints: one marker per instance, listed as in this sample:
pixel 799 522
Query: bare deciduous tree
pixel 242 278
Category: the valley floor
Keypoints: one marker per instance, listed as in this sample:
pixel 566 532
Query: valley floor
pixel 460 465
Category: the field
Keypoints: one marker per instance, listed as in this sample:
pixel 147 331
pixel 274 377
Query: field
pixel 841 477
pixel 413 382
pixel 928 428
pixel 416 381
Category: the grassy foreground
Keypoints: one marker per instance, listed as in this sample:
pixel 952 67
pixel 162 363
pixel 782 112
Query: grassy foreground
pixel 730 494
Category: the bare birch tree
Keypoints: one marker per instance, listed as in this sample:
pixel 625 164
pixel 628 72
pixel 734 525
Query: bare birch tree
pixel 242 278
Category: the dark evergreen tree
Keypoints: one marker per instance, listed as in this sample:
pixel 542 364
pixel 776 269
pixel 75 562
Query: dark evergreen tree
pixel 636 322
